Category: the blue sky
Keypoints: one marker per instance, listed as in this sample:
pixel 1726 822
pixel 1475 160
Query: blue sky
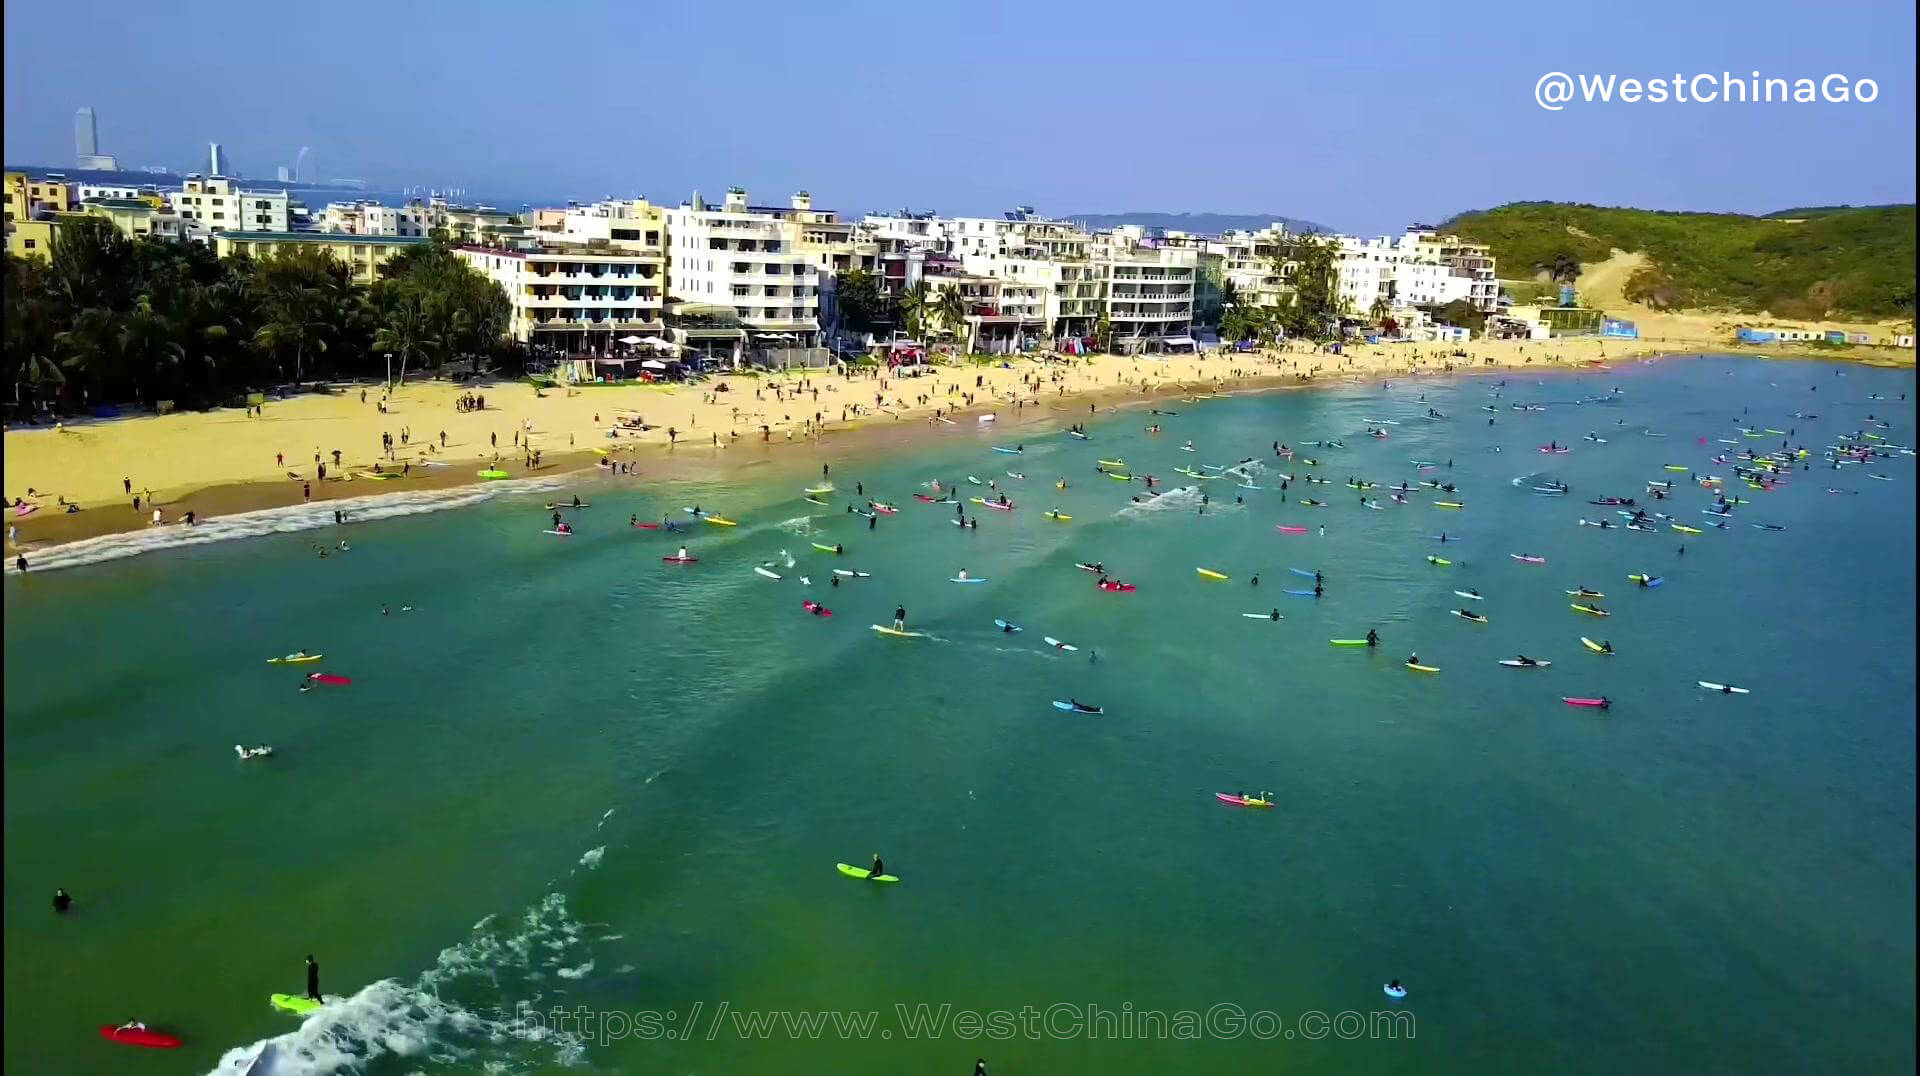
pixel 1364 116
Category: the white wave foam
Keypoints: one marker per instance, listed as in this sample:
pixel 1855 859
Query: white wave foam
pixel 389 1020
pixel 575 973
pixel 800 525
pixel 593 856
pixel 1183 499
pixel 286 520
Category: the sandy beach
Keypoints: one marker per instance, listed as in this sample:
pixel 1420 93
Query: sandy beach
pixel 228 461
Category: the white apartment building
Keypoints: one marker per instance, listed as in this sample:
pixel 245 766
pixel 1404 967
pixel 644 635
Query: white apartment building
pixel 1149 291
pixel 1474 260
pixel 749 259
pixel 1415 269
pixel 213 203
pixel 415 219
pixel 122 192
pixel 576 301
pixel 1253 263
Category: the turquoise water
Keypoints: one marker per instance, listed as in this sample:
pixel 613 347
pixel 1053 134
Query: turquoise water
pixel 576 776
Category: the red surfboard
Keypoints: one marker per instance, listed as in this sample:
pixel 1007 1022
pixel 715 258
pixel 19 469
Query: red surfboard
pixel 133 1036
pixel 328 678
pixel 648 526
pixel 816 608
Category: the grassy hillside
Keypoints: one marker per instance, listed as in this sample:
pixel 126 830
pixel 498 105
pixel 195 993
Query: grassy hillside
pixel 1832 261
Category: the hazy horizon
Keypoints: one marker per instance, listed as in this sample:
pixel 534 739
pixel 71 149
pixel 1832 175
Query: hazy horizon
pixel 1328 116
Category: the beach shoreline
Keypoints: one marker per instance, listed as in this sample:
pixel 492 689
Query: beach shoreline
pixel 1023 395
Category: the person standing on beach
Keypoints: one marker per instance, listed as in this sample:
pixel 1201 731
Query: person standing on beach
pixel 306 491
pixel 127 484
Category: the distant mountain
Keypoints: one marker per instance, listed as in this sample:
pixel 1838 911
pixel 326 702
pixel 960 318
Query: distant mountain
pixel 1196 223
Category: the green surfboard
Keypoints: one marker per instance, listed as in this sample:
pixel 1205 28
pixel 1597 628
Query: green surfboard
pixel 294 1003
pixel 862 873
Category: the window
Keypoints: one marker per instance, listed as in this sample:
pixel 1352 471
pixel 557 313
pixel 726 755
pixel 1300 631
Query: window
pixel 28 242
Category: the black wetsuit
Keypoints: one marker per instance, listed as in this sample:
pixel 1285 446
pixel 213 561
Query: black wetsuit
pixel 879 868
pixel 313 979
pixel 61 901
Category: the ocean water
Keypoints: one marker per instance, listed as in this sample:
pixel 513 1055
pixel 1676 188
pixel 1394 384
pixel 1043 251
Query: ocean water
pixel 576 777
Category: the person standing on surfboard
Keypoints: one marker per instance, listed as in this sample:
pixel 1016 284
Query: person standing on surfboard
pixel 879 868
pixel 313 978
pixel 899 618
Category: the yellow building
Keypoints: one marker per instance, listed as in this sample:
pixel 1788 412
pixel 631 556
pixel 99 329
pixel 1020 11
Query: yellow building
pixel 27 195
pixel 30 238
pixel 135 218
pixel 361 254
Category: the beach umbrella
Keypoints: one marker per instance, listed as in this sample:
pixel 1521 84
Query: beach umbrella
pixel 653 364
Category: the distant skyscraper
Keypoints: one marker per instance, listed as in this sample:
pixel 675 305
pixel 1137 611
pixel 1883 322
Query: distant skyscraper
pixel 284 174
pixel 86 139
pixel 216 160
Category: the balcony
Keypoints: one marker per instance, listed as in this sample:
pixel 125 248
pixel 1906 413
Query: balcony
pixel 555 279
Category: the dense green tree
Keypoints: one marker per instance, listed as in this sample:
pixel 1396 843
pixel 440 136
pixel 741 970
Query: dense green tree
pixel 106 319
pixel 864 308
pixel 1316 306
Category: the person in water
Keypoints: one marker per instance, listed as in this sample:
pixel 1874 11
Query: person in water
pixel 1373 637
pixel 1008 629
pixel 873 521
pixel 879 867
pixel 1275 615
pixel 1606 703
pixel 682 555
pixel 1318 590
pixel 900 618
pixel 1606 646
pixel 1413 659
pixel 313 978
pixel 1256 580
pixel 62 900
pixel 1525 660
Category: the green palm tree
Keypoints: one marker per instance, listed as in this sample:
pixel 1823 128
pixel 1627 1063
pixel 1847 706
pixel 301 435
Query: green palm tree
pixel 1380 309
pixel 952 309
pixel 915 304
pixel 294 324
pixel 150 346
pixel 406 335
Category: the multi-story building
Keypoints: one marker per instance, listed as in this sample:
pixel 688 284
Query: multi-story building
pixel 1474 260
pixel 363 217
pixel 136 218
pixel 1254 263
pixel 629 226
pixel 31 195
pixel 361 254
pixel 486 226
pixel 1419 268
pixel 142 192
pixel 748 259
pixel 213 203
pixel 576 300
pixel 1149 291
